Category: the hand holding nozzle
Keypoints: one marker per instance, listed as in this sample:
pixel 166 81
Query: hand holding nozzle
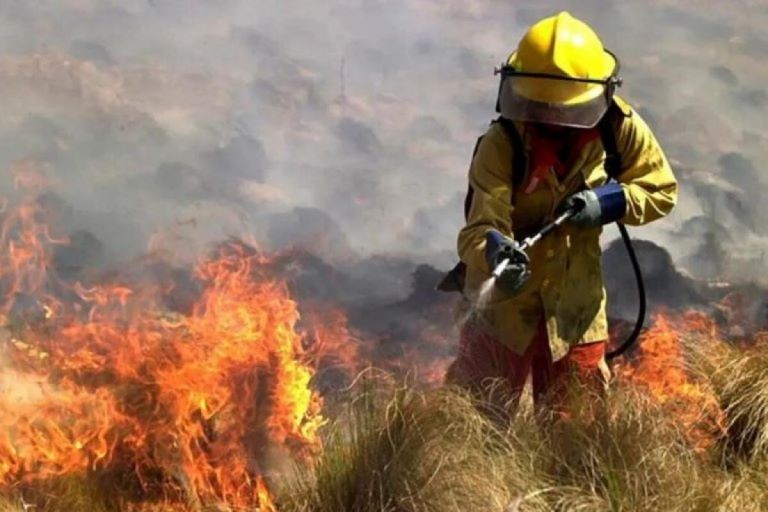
pixel 508 259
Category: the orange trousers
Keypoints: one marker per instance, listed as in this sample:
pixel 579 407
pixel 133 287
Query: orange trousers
pixel 484 361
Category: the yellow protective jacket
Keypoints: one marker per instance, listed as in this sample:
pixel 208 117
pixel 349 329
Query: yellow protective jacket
pixel 566 285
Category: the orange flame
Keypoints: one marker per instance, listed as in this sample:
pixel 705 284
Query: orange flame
pixel 660 368
pixel 331 338
pixel 107 380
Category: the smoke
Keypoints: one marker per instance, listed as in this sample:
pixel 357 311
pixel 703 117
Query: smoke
pixel 345 128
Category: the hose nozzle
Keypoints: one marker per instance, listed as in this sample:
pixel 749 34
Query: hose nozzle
pixel 533 240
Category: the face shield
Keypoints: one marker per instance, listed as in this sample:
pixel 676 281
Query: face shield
pixel 555 99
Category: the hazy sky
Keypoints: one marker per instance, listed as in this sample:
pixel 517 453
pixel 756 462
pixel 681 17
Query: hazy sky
pixel 347 124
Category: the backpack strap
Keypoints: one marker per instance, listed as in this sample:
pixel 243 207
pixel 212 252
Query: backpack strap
pixel 470 190
pixel 608 126
pixel 519 158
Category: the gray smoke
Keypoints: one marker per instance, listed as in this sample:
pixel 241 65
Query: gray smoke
pixel 345 127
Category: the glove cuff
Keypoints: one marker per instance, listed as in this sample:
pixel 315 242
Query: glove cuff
pixel 613 202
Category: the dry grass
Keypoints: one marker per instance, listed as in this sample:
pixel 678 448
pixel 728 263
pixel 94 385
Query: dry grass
pixel 410 451
pixel 56 495
pixel 739 379
pixel 394 448
pixel 434 451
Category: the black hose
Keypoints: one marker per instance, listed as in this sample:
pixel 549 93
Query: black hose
pixel 632 338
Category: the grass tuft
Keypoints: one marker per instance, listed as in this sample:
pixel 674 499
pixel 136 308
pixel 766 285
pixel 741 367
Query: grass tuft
pixel 739 379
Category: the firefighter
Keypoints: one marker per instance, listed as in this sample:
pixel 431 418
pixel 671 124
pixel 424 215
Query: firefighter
pixel 545 317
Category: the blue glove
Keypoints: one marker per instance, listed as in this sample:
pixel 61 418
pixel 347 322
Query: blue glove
pixel 499 248
pixel 598 206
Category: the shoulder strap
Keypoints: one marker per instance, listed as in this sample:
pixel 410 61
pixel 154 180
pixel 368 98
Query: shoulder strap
pixel 470 190
pixel 608 126
pixel 519 159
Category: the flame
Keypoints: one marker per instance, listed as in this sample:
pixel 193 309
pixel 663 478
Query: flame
pixel 330 343
pixel 102 377
pixel 660 369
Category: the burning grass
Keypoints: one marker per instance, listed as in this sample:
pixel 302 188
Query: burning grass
pixel 684 428
pixel 739 378
pixel 108 392
pixel 112 402
pixel 182 409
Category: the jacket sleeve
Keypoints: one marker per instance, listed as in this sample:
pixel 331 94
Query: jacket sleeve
pixel 490 208
pixel 649 185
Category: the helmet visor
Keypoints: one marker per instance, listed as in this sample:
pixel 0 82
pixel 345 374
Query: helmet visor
pixel 550 101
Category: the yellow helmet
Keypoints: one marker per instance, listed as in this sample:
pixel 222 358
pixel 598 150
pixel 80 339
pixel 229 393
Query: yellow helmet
pixel 560 74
